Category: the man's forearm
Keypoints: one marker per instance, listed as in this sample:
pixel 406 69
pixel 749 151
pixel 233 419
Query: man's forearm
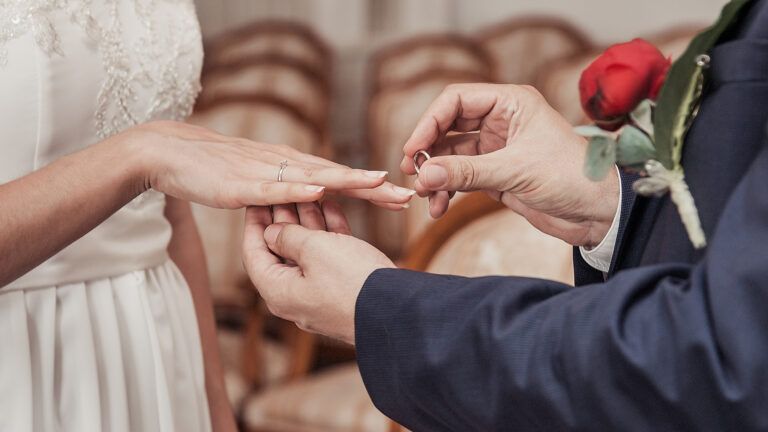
pixel 674 345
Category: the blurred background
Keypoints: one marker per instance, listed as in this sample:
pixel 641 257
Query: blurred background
pixel 347 80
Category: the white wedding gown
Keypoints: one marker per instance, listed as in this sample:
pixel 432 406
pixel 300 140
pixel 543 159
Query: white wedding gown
pixel 102 336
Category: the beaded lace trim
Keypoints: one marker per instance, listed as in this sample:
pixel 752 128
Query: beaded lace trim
pixel 152 61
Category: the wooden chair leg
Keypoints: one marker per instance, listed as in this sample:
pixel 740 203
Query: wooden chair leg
pixel 301 346
pixel 253 355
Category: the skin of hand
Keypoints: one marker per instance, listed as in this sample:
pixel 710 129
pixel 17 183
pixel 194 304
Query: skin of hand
pixel 42 212
pixel 310 273
pixel 186 251
pixel 199 165
pixel 507 141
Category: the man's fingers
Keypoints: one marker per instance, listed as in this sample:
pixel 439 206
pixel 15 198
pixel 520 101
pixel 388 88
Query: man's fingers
pixel 462 104
pixel 284 214
pixel 334 218
pixel 311 216
pixel 464 173
pixel 289 241
pixel 257 257
pixel 277 282
pixel 438 204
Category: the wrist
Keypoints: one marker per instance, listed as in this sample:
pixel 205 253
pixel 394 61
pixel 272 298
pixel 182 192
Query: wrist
pixel 607 207
pixel 136 155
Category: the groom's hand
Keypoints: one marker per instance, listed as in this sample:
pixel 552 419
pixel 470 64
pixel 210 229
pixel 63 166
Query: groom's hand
pixel 506 140
pixel 310 274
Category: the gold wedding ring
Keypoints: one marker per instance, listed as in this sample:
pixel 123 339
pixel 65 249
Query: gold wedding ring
pixel 283 166
pixel 416 159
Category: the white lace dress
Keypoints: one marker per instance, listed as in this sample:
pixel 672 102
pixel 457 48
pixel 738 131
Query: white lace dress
pixel 102 336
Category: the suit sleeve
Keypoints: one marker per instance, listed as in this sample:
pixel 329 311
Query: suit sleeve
pixel 584 273
pixel 665 347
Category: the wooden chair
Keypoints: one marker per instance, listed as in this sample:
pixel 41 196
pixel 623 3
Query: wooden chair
pixel 270 39
pixel 673 42
pixel 279 77
pixel 264 117
pixel 480 237
pixel 392 115
pixel 522 45
pixel 559 83
pixel 417 58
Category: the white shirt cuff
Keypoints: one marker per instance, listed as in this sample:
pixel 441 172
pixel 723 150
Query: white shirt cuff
pixel 601 255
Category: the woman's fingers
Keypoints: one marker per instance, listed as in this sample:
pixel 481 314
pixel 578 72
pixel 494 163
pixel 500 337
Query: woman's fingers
pixel 269 193
pixel 384 194
pixel 332 178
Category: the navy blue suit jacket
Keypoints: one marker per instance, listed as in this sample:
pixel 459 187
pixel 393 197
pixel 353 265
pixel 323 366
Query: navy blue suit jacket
pixel 671 339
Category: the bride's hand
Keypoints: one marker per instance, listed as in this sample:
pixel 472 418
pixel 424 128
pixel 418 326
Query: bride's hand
pixel 196 164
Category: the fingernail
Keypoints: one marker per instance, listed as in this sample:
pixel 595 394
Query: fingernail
pixel 376 174
pixel 312 188
pixel 404 191
pixel 433 175
pixel 271 233
pixel 406 205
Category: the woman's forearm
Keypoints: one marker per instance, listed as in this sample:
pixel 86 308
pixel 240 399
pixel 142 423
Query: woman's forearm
pixel 186 250
pixel 43 212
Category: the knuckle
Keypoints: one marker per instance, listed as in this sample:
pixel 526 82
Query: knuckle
pixel 309 172
pixel 467 173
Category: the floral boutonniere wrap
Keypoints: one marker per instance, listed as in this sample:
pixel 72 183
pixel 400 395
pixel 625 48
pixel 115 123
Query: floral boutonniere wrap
pixel 643 107
pixel 619 92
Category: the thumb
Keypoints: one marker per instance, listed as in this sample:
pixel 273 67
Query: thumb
pixel 464 173
pixel 289 241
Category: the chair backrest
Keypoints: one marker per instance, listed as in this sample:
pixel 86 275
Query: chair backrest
pixel 392 116
pixel 264 118
pixel 479 237
pixel 521 46
pixel 421 56
pixel 272 38
pixel 559 83
pixel 673 42
pixel 280 78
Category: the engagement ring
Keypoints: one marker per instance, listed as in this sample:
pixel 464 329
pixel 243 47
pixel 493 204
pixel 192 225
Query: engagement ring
pixel 283 166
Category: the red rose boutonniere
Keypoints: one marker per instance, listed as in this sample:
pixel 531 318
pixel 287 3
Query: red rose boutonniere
pixel 643 109
pixel 618 92
pixel 619 80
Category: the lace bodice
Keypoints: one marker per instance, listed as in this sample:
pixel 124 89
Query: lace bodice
pixel 74 72
pixel 150 58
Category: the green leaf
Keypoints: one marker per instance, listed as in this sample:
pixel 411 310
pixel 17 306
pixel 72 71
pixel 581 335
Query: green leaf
pixel 591 131
pixel 634 147
pixel 681 90
pixel 601 157
pixel 642 116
